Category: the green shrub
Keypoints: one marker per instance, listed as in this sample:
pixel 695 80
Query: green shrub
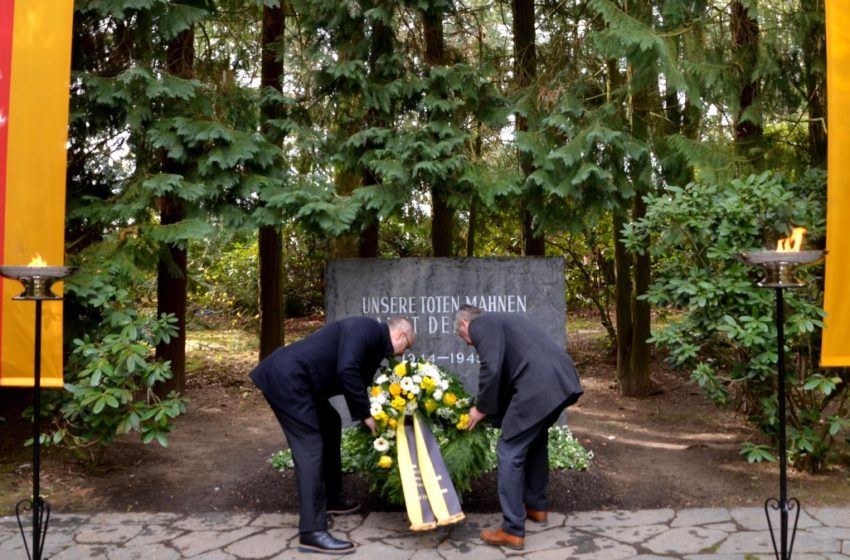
pixel 225 275
pixel 111 374
pixel 724 330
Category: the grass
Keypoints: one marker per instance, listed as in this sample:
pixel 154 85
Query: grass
pixel 224 340
pixel 583 324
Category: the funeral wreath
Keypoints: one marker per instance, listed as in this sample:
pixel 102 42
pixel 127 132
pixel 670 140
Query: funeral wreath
pixel 435 394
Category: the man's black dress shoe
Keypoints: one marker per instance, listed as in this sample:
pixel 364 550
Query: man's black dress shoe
pixel 323 542
pixel 342 507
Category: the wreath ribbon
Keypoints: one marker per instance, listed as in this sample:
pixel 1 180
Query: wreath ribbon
pixel 429 495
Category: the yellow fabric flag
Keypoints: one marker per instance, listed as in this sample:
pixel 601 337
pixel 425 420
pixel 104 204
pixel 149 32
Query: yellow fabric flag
pixel 835 351
pixel 35 68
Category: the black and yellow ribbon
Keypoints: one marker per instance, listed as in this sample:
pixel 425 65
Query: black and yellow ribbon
pixel 429 495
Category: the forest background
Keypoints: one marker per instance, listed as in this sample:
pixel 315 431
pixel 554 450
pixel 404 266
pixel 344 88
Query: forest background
pixel 220 151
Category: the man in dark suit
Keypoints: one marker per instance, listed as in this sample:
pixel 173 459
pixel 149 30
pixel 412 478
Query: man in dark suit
pixel 297 380
pixel 525 382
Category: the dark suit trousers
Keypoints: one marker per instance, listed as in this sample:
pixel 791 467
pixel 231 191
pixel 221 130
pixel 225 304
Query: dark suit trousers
pixel 524 472
pixel 316 454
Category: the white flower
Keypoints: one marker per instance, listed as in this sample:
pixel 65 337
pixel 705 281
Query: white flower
pixel 380 445
pixel 444 383
pixel 444 412
pixel 381 379
pixel 407 384
pixel 411 407
pixel 376 408
pixel 417 379
pixel 438 395
pixel 431 371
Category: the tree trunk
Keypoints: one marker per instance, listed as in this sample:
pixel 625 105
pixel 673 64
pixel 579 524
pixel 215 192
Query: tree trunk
pixel 441 222
pixel 534 244
pixel 367 248
pixel 346 246
pixel 473 202
pixel 442 216
pixel 634 379
pixel 814 63
pixel 674 166
pixel 271 290
pixel 470 234
pixel 525 72
pixel 637 383
pixel 381 47
pixel 745 38
pixel 171 269
pixel 623 311
pixel 171 298
pixel 270 238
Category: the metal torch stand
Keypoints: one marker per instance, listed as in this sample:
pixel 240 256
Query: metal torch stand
pixel 783 504
pixel 36 281
pixel 40 508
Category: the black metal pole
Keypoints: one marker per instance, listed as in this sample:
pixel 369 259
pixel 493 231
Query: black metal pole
pixel 783 480
pixel 36 442
pixel 36 281
pixel 39 508
pixel 783 504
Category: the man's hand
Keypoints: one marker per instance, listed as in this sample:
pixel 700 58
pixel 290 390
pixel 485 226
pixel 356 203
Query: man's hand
pixel 370 423
pixel 475 416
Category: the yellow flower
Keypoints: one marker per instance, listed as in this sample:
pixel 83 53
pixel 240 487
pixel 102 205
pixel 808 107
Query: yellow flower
pixel 449 398
pixel 400 369
pixel 376 391
pixel 385 461
pixel 392 423
pixel 431 405
pixel 395 389
pixel 463 422
pixel 410 396
pixel 398 403
pixel 428 384
pixel 381 417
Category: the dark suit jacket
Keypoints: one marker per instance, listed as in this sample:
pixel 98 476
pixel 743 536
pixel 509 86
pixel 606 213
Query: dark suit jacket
pixel 524 375
pixel 341 358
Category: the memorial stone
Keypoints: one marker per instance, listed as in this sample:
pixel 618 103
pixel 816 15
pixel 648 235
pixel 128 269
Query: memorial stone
pixel 429 290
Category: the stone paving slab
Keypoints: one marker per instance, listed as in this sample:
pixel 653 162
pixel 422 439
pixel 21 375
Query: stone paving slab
pixel 690 534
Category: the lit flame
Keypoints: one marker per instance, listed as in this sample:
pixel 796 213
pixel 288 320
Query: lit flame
pixel 37 261
pixel 792 244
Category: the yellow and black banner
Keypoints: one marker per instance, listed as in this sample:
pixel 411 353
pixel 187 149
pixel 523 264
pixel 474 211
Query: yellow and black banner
pixel 35 70
pixel 429 495
pixel 835 351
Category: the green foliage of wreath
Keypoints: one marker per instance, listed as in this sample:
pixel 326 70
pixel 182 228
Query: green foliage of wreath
pixel 438 397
